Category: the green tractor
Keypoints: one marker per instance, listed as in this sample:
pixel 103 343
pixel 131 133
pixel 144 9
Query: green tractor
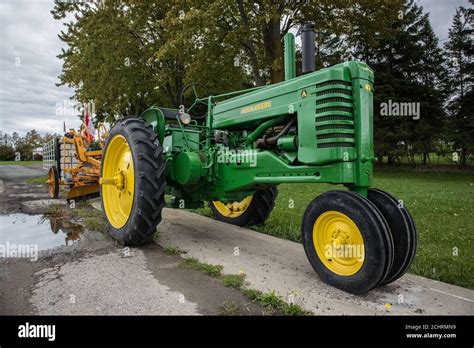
pixel 233 150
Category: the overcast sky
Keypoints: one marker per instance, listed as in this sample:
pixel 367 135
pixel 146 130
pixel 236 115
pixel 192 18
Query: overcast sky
pixel 29 68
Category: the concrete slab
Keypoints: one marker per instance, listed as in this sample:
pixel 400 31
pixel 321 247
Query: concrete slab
pixel 38 205
pixel 273 264
pixel 107 284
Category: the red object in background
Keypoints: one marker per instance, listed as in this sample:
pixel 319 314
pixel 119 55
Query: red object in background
pixel 89 124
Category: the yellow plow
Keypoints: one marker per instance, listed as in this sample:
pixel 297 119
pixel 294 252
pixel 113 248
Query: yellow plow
pixel 74 161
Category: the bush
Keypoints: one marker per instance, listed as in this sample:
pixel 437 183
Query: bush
pixel 7 153
pixel 26 151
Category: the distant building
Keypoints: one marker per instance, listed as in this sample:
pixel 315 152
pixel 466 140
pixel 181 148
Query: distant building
pixel 38 151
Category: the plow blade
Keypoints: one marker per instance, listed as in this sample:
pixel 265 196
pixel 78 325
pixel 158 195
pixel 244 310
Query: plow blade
pixel 83 192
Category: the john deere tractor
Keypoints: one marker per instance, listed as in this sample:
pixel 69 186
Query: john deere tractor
pixel 233 150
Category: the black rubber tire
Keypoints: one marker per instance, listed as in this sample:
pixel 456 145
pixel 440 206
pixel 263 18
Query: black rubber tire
pixel 55 193
pixel 389 247
pixel 375 233
pixel 257 213
pixel 402 229
pixel 149 172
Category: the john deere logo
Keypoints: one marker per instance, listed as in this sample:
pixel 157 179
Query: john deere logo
pixel 304 94
pixel 256 107
pixel 367 87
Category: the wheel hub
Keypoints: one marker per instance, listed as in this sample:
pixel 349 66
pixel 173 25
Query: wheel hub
pixel 338 243
pixel 233 209
pixel 118 180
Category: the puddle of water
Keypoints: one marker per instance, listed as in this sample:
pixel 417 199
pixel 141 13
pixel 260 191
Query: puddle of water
pixel 45 232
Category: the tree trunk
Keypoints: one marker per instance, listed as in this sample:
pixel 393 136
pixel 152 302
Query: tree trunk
pixel 463 159
pixel 274 49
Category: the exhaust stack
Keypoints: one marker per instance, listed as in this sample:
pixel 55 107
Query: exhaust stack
pixel 308 47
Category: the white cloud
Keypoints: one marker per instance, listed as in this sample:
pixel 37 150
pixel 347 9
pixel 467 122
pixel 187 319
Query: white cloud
pixel 441 14
pixel 29 68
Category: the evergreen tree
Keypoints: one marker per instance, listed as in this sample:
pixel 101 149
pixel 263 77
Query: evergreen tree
pixel 408 65
pixel 459 50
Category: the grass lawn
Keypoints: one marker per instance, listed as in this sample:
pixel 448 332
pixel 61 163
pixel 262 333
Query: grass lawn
pixel 21 163
pixel 441 205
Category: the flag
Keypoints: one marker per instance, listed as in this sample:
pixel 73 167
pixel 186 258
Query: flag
pixel 89 123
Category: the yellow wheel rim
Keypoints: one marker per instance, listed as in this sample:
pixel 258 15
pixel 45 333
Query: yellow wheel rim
pixel 234 209
pixel 338 243
pixel 118 181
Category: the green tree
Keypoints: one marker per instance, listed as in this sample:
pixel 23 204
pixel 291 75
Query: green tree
pixel 15 138
pixel 127 55
pixel 459 50
pixel 398 43
pixel 25 145
pixel 7 153
pixel 104 60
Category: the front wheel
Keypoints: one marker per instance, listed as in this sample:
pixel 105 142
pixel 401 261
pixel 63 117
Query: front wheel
pixel 402 228
pixel 347 241
pixel 132 182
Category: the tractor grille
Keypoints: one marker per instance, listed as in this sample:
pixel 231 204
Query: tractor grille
pixel 335 135
pixel 334 115
pixel 336 144
pixel 333 82
pixel 334 126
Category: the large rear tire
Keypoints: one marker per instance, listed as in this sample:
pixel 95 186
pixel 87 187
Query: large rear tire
pixel 132 182
pixel 252 210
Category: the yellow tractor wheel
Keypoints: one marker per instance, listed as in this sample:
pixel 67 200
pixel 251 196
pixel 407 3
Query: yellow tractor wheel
pixel 252 210
pixel 53 182
pixel 132 182
pixel 347 241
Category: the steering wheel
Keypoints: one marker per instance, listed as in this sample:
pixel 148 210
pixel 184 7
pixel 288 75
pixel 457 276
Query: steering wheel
pixel 198 108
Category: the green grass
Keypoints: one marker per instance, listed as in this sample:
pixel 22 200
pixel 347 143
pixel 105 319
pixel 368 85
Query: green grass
pixel 440 203
pixel 21 163
pixel 92 218
pixel 214 271
pixel 173 250
pixel 38 180
pixel 274 304
pixel 228 308
pixel 235 281
pixel 52 210
pixel 270 301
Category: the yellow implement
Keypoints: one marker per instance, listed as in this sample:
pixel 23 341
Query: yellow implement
pixel 78 166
